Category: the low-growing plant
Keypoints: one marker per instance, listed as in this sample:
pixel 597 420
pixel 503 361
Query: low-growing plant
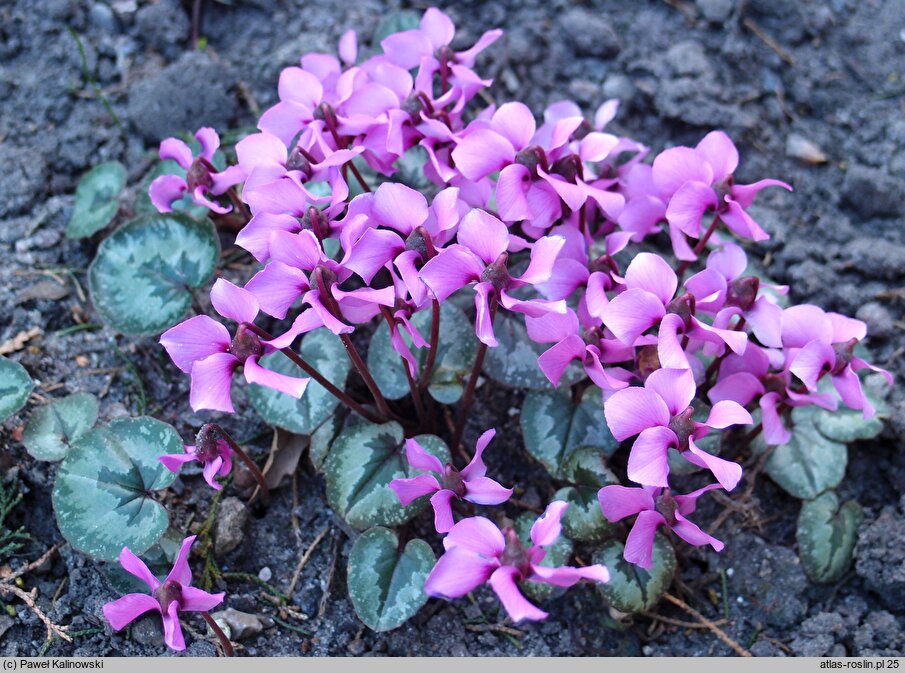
pixel 609 283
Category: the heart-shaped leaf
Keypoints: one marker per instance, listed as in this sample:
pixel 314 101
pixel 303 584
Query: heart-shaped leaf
pixel 514 361
pixel 142 276
pixel 586 466
pixel 362 462
pixel 102 496
pixel 455 356
pixel 809 463
pixel 632 588
pixel 53 428
pixel 323 437
pixel 96 199
pixel 553 427
pixel 584 520
pixel 386 584
pixel 827 535
pixel 558 554
pixel 325 352
pixel 15 387
pixel 849 425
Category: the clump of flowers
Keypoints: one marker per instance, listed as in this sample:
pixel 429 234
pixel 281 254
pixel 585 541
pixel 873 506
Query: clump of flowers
pixel 626 268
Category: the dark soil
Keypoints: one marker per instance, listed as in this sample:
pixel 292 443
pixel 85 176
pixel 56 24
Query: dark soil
pixel 769 72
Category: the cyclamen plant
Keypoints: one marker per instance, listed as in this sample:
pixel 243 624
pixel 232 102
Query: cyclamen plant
pixel 561 233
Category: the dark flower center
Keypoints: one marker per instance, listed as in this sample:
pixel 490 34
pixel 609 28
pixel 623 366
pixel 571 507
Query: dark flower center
pixel 420 241
pixel 207 443
pixel 496 273
pixel 453 481
pixel 683 426
pixel 666 505
pixel 245 344
pixel 569 167
pixel 742 292
pixel 683 307
pixel 648 361
pixel 199 174
pixel 844 354
pixel 515 554
pixel 166 593
pixel 531 157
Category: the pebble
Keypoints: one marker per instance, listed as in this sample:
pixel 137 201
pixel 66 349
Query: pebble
pixel 716 11
pixel 879 321
pixel 230 529
pixel 799 147
pixel 590 34
pixel 357 647
pixel 102 17
pixel 147 630
pixel 265 574
pixel 241 625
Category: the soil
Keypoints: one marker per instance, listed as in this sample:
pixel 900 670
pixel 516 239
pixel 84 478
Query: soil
pixel 769 72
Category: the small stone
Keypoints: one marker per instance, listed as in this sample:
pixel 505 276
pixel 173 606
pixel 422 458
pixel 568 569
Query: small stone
pixel 230 528
pixel 265 574
pixel 799 147
pixel 590 34
pixel 6 622
pixel 716 11
pixel 689 58
pixel 618 86
pixel 102 17
pixel 241 625
pixel 164 26
pixel 357 647
pixel 148 630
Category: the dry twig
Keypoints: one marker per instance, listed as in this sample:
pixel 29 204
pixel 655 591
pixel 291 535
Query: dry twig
pixel 717 631
pixel 304 559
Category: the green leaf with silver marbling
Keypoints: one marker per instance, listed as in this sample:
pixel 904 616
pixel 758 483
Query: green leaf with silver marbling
pixel 386 584
pixel 826 536
pixel 558 554
pixel 15 387
pixel 142 277
pixel 553 426
pixel 632 588
pixel 102 495
pixel 584 520
pixel 513 362
pixel 362 462
pixel 52 429
pixel 96 199
pixel 324 351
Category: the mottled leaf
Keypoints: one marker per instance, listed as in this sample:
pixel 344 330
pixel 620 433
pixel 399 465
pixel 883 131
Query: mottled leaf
pixel 558 554
pixel 15 387
pixel 584 520
pixel 826 536
pixel 53 428
pixel 96 199
pixel 362 462
pixel 514 361
pixel 325 352
pixel 102 496
pixel 386 584
pixel 142 276
pixel 632 588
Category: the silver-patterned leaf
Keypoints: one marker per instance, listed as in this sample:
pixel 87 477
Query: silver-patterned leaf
pixel 584 520
pixel 96 199
pixel 53 428
pixel 15 387
pixel 826 536
pixel 558 554
pixel 632 588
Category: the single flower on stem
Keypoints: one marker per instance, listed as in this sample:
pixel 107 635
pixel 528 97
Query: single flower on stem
pixel 170 597
pixel 655 507
pixel 470 483
pixel 477 551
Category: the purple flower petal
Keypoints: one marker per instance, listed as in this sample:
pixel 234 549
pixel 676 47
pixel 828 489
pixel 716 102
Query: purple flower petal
pixel 193 340
pixel 174 461
pixel 548 526
pixel 652 273
pixel 136 567
pixel 511 189
pixel 556 359
pixel 410 489
pixel 845 328
pixel 567 576
pixel 172 630
pixel 210 142
pixel 744 194
pixel 485 491
pixel 420 459
pixel 483 318
pixel 618 502
pixel 443 515
pixel 775 433
pixel 692 534
pixel 543 257
pixel 210 470
pixel 348 47
pixel 181 572
pixel 290 385
pixel 211 383
pixel 515 122
pixel 629 314
pixel 451 269
pixel 196 600
pixel 647 461
pixel 503 583
pixel 255 236
pixel 726 413
pixel 674 167
pixel 720 152
pixel 675 387
pixel 482 152
pixel 803 324
pixel 277 287
pixel 305 322
pixel 476 468
pixel 632 410
pixel 166 190
pixel 400 207
pixel 741 223
pixel 639 545
pixel 725 471
pixel 300 86
pixel 813 361
pixel 484 235
pixel 121 612
pixel 178 151
pixel 234 302
pixel 478 535
pixel 457 572
pixel 687 207
pixel 741 387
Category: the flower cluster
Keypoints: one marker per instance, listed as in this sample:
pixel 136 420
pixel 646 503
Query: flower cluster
pixel 614 259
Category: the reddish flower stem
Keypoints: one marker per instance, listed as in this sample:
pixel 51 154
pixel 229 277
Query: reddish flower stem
pixel 215 627
pixel 434 346
pixel 416 393
pixel 245 458
pixel 468 397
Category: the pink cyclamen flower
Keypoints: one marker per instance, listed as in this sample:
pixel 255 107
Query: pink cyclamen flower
pixel 170 597
pixel 659 413
pixel 202 347
pixel 655 507
pixel 481 257
pixel 701 179
pixel 469 483
pixel 477 552
pixel 201 177
pixel 211 450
